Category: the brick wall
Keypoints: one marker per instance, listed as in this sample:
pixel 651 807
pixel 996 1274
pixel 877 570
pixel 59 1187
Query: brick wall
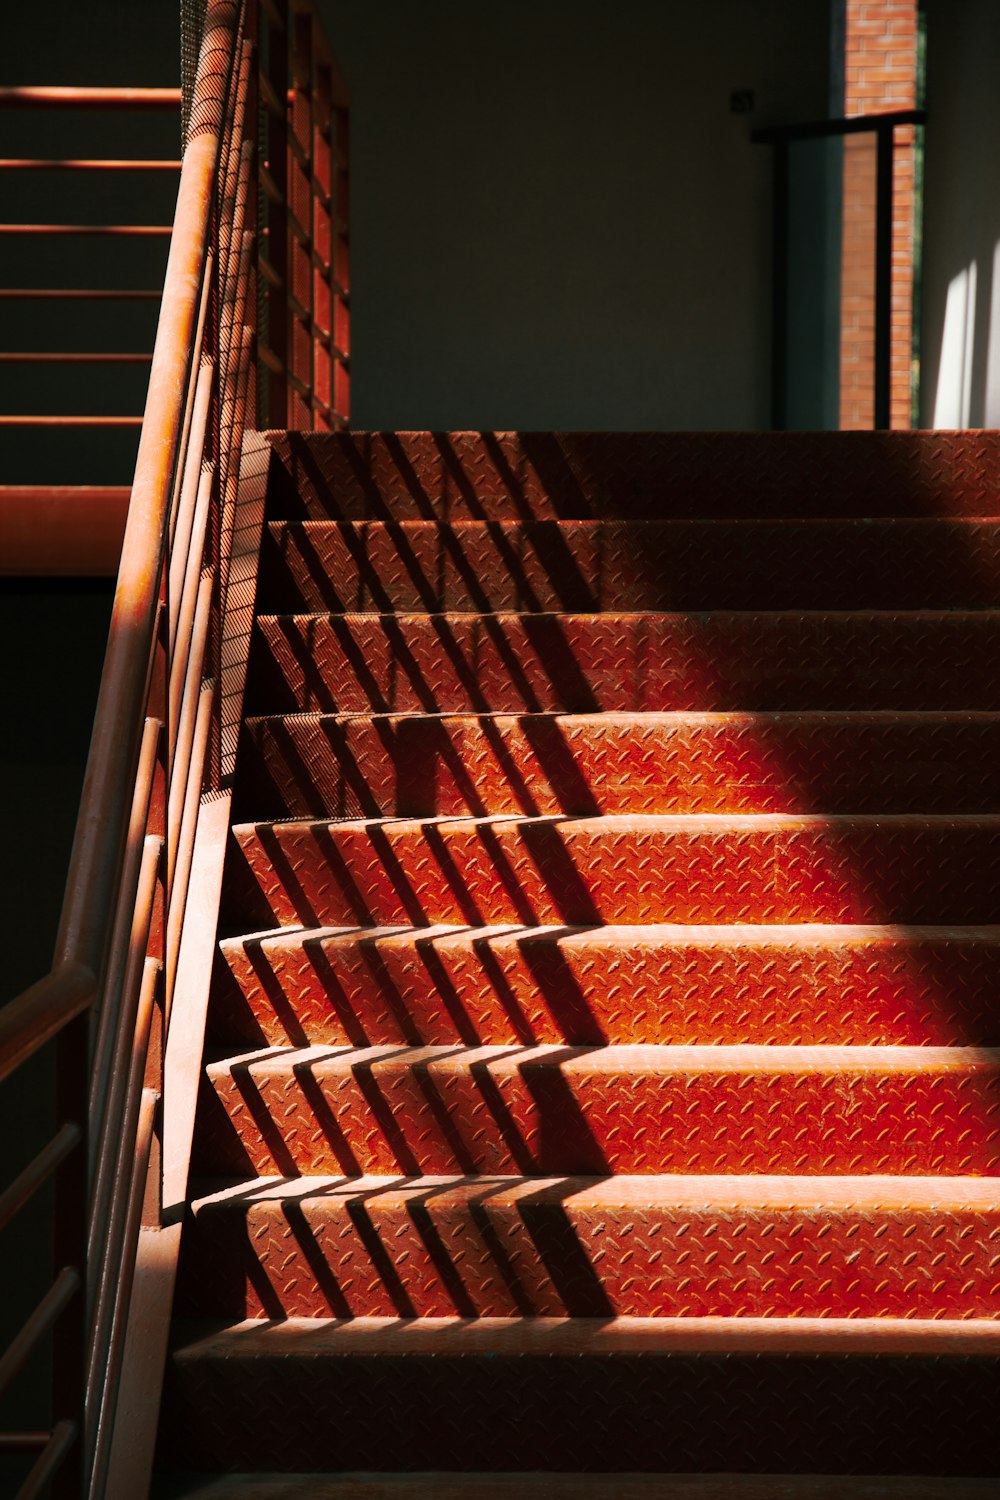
pixel 880 71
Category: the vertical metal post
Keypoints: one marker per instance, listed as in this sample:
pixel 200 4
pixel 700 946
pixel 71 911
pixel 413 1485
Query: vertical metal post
pixel 69 1359
pixel 883 278
pixel 277 221
pixel 779 290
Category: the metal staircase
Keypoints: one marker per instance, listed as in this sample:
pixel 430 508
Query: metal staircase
pixel 525 1006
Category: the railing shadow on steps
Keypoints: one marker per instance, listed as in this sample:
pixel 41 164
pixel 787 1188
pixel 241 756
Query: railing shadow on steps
pixel 253 330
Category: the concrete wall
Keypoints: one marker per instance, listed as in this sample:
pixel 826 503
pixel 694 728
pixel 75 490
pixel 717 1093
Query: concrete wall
pixel 557 222
pixel 961 298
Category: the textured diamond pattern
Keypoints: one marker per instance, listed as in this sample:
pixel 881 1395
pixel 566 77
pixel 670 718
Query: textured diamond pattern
pixel 626 663
pixel 657 1247
pixel 687 985
pixel 635 565
pixel 625 870
pixel 640 1109
pixel 522 476
pixel 609 964
pixel 421 765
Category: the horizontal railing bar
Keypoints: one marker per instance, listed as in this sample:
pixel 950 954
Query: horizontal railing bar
pixel 299 385
pixel 112 493
pixel 270 98
pixel 40 1013
pixel 37 1324
pixel 271 276
pixel 70 421
pixel 271 188
pixel 79 294
pixel 43 96
pixel 27 357
pixel 59 1445
pixel 299 310
pixel 23 1442
pixel 113 231
pixel 267 357
pixel 86 164
pixel 299 151
pixel 852 125
pixel 24 1187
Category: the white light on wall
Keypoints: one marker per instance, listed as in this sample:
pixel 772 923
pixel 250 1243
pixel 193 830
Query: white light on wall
pixel 952 399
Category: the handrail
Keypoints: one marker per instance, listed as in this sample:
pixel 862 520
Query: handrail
pixel 813 130
pixel 71 97
pixel 781 138
pixel 159 734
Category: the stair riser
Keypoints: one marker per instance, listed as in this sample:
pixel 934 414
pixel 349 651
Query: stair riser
pixel 384 1256
pixel 753 1415
pixel 580 566
pixel 516 1117
pixel 422 767
pixel 358 990
pixel 581 873
pixel 584 664
pixel 519 476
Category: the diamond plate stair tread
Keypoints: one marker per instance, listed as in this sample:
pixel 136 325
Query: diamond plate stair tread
pixel 710 868
pixel 793 1399
pixel 730 1246
pixel 637 565
pixel 451 476
pixel 795 984
pixel 631 1109
pixel 572 663
pixel 549 1486
pixel 350 766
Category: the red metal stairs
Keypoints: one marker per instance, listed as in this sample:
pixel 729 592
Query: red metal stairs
pixel 603 1060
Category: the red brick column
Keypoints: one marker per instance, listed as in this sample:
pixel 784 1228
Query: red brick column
pixel 880 74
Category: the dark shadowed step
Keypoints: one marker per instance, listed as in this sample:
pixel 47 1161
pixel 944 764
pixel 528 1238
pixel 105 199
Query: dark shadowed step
pixel 629 565
pixel 307 1395
pixel 313 765
pixel 521 476
pixel 628 663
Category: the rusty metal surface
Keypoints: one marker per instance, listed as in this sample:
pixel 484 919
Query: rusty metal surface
pixel 595 1008
pixel 635 869
pixel 293 1400
pixel 472 475
pixel 632 565
pixel 776 984
pixel 424 765
pixel 568 663
pixel 438 1485
pixel 685 1247
pixel 628 1109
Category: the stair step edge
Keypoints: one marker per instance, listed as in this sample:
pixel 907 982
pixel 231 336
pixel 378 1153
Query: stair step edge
pixel 318 1338
pixel 635 1057
pixel 890 1194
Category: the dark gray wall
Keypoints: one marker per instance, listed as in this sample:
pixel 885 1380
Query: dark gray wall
pixel 557 222
pixel 961 302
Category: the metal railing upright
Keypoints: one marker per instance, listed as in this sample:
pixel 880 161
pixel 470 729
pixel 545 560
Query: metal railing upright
pixel 781 138
pixel 109 1002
